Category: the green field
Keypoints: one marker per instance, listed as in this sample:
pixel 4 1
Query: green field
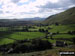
pixel 6 41
pixel 62 28
pixel 8 38
pixel 11 37
pixel 26 35
pixel 3 28
pixel 63 36
pixel 20 36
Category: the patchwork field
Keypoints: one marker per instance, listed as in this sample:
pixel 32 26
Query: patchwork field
pixel 20 36
pixel 61 34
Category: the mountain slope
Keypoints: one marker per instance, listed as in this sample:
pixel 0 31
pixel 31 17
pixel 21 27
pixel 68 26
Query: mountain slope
pixel 66 17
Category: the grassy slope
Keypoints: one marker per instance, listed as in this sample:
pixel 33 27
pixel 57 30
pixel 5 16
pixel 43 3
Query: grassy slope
pixel 66 17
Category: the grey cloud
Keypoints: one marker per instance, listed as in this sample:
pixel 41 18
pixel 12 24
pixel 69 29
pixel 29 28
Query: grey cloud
pixel 62 4
pixel 8 12
pixel 52 6
pixel 15 1
pixel 1 12
pixel 73 1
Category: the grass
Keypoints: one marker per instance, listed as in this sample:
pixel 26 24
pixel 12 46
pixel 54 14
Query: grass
pixel 26 35
pixel 6 41
pixel 9 38
pixel 63 36
pixel 20 36
pixel 3 28
pixel 33 29
pixel 62 28
pixel 31 35
pixel 54 41
pixel 50 40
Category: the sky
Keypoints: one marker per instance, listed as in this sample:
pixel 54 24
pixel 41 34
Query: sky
pixel 17 9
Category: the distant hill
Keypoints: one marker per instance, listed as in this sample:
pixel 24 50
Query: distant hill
pixel 66 17
pixel 14 22
pixel 21 21
pixel 33 19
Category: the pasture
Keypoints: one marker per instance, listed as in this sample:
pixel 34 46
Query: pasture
pixel 20 36
pixel 62 28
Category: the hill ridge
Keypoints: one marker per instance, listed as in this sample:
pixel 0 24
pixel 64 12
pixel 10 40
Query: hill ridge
pixel 66 17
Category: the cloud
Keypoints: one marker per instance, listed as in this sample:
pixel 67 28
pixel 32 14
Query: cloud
pixel 15 1
pixel 1 12
pixel 61 4
pixel 73 1
pixel 33 8
pixel 57 7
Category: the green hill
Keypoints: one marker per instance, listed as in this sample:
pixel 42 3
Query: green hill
pixel 66 17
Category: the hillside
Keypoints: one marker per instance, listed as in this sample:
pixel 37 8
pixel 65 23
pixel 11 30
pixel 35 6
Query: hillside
pixel 66 17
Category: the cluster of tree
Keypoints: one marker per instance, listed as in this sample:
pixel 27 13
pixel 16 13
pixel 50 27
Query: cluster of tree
pixel 57 24
pixel 49 28
pixel 17 29
pixel 31 27
pixel 34 45
pixel 43 30
pixel 73 40
pixel 71 32
pixel 5 34
pixel 25 29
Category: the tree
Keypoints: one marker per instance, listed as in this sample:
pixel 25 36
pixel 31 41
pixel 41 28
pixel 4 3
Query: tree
pixel 46 31
pixel 56 23
pixel 49 28
pixel 41 44
pixel 73 32
pixel 69 32
pixel 25 29
pixel 73 40
pixel 51 36
pixel 57 32
pixel 41 30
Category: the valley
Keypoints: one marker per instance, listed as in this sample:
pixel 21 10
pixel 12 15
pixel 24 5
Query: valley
pixel 38 38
